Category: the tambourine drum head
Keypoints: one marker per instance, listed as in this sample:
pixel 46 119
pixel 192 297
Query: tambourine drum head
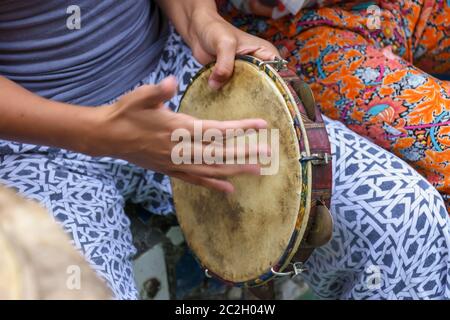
pixel 239 237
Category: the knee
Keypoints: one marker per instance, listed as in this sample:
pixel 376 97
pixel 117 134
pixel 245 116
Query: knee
pixel 414 210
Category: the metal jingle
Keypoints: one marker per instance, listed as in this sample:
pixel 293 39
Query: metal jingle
pixel 322 228
pixel 306 95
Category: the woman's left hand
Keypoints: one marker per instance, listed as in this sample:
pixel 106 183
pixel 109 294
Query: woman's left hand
pixel 212 38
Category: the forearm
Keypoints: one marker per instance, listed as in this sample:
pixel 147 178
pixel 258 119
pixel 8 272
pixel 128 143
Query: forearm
pixel 183 12
pixel 26 117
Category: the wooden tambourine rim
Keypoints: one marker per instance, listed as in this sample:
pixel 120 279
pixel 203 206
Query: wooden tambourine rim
pixel 306 174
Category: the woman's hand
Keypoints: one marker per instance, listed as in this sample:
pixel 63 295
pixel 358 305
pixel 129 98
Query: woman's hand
pixel 212 38
pixel 138 128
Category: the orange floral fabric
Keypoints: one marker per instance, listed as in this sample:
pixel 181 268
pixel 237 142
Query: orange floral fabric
pixel 382 82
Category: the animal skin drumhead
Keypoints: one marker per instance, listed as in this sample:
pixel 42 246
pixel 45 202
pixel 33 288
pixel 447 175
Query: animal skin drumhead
pixel 241 236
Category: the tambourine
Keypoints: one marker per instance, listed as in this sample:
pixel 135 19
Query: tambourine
pixel 269 226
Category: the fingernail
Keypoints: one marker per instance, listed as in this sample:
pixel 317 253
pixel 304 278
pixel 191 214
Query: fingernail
pixel 265 150
pixel 229 191
pixel 255 170
pixel 261 124
pixel 168 82
pixel 215 85
pixel 169 79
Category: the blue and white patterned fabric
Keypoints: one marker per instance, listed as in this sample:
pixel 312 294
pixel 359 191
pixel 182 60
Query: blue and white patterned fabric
pixel 387 217
pixel 87 195
pixel 391 238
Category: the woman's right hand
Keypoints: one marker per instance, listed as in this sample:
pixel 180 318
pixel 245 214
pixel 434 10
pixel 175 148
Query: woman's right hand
pixel 138 128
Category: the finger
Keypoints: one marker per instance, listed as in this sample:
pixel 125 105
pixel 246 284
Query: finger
pixel 202 56
pixel 237 152
pixel 234 127
pixel 220 171
pixel 214 184
pixel 247 50
pixel 223 70
pixel 240 151
pixel 154 96
pixel 228 129
pixel 261 49
pixel 266 53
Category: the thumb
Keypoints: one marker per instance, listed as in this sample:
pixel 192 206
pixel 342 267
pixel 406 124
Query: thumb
pixel 153 96
pixel 223 70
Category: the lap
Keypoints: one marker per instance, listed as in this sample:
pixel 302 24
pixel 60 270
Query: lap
pixel 391 236
pixel 87 195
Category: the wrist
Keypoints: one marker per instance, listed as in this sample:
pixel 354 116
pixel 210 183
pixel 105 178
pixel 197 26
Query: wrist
pixel 93 132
